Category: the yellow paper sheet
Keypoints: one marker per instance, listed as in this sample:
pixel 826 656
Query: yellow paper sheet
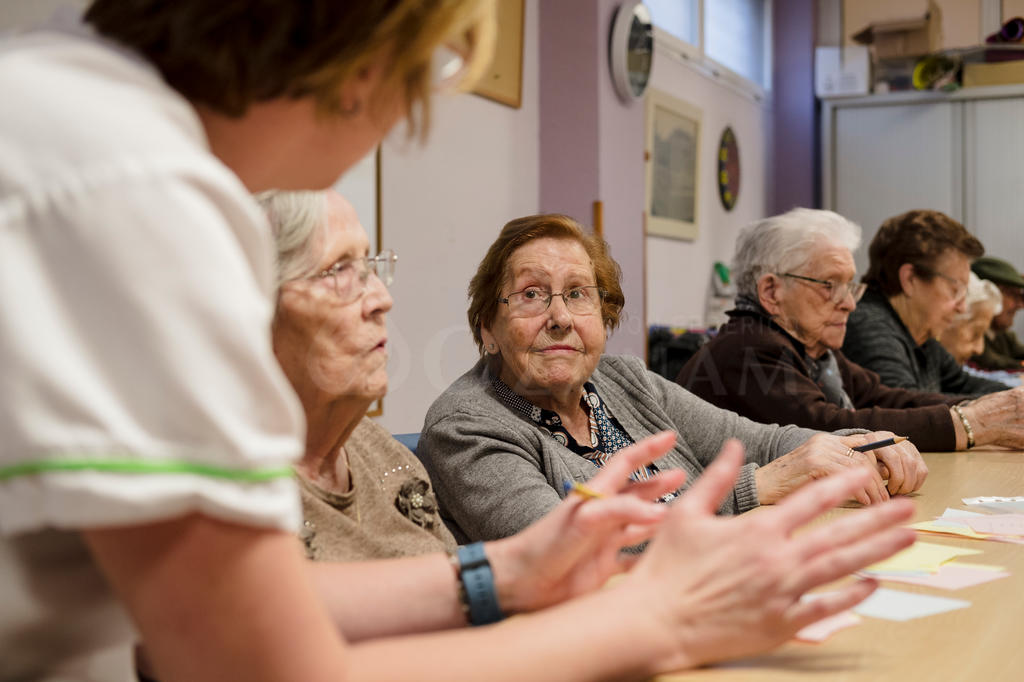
pixel 930 527
pixel 921 556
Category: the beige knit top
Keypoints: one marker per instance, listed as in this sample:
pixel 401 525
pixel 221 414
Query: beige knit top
pixel 389 510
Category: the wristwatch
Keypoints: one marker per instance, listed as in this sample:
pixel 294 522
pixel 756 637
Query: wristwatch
pixel 476 584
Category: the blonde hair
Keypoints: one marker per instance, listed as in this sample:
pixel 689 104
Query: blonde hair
pixel 230 54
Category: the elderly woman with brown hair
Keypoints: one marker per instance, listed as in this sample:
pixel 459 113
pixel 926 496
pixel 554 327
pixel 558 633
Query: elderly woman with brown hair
pixel 917 282
pixel 544 407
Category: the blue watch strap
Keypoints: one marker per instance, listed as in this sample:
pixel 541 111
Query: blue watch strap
pixel 478 581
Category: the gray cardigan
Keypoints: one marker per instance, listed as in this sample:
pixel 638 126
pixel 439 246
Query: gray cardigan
pixel 495 472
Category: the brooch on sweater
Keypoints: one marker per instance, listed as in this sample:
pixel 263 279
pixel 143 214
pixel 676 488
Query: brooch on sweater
pixel 417 503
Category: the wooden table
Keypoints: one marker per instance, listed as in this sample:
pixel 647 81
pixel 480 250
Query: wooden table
pixel 984 642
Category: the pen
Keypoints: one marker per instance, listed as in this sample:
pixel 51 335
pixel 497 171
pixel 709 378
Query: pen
pixel 577 487
pixel 879 444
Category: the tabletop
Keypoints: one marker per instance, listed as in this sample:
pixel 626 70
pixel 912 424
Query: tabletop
pixel 982 642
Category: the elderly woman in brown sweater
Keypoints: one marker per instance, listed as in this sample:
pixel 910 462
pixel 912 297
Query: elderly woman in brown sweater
pixel 778 357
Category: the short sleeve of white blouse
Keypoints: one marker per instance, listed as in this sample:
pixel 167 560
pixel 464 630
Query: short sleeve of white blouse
pixel 137 378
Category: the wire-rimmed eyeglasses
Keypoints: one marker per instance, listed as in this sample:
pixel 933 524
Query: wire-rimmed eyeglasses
pixel 533 301
pixel 836 291
pixel 959 288
pixel 348 277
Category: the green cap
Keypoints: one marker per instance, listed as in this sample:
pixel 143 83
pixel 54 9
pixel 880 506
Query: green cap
pixel 998 271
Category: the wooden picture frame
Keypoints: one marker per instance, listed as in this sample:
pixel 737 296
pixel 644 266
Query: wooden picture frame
pixel 503 81
pixel 672 156
pixel 361 186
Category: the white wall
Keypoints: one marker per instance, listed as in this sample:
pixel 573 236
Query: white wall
pixel 442 206
pixel 679 272
pixel 19 13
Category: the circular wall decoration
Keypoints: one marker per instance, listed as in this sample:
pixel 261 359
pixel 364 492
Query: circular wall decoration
pixel 630 48
pixel 728 169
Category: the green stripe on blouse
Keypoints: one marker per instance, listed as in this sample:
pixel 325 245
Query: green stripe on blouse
pixel 134 466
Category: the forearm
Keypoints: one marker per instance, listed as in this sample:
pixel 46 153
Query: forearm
pixel 389 597
pixel 215 601
pixel 409 595
pixel 616 642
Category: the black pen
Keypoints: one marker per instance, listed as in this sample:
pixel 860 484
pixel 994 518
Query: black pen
pixel 879 444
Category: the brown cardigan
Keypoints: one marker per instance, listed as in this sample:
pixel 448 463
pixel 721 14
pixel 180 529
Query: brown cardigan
pixel 755 368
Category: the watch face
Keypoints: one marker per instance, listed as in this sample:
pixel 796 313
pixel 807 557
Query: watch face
pixel 639 50
pixel 728 169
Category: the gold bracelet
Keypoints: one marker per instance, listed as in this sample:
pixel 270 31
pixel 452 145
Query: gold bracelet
pixel 967 426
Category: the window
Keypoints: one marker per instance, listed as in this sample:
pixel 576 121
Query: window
pixel 681 18
pixel 734 34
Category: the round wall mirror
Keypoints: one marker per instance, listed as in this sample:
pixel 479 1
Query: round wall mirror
pixel 630 49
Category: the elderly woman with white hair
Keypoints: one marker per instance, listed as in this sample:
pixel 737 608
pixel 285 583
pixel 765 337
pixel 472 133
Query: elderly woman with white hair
pixel 966 336
pixel 778 357
pixel 364 495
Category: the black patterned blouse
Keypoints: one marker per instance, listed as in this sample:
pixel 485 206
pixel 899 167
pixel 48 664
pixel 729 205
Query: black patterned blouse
pixel 606 435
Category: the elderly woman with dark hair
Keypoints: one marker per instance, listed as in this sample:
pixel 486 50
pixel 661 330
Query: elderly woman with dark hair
pixel 917 283
pixel 545 407
pixel 778 357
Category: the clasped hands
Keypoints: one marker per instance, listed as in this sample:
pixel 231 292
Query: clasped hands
pixel 895 469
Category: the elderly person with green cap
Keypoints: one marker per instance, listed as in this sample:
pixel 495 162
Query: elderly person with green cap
pixel 1003 350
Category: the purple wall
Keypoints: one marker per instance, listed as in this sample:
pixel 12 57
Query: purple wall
pixel 568 108
pixel 793 169
pixel 592 145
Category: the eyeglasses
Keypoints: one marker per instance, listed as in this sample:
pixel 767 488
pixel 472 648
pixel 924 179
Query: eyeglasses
pixel 959 288
pixel 349 277
pixel 533 301
pixel 835 291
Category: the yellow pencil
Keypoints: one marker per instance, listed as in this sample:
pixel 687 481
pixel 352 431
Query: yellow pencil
pixel 580 489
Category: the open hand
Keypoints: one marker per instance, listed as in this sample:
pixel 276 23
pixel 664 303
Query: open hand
pixel 728 587
pixel 576 547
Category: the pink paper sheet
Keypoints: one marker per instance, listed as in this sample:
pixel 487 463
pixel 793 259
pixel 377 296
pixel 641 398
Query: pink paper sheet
pixel 949 577
pixel 1000 524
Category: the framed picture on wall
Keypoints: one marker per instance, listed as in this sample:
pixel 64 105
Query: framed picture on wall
pixel 503 81
pixel 361 186
pixel 672 154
